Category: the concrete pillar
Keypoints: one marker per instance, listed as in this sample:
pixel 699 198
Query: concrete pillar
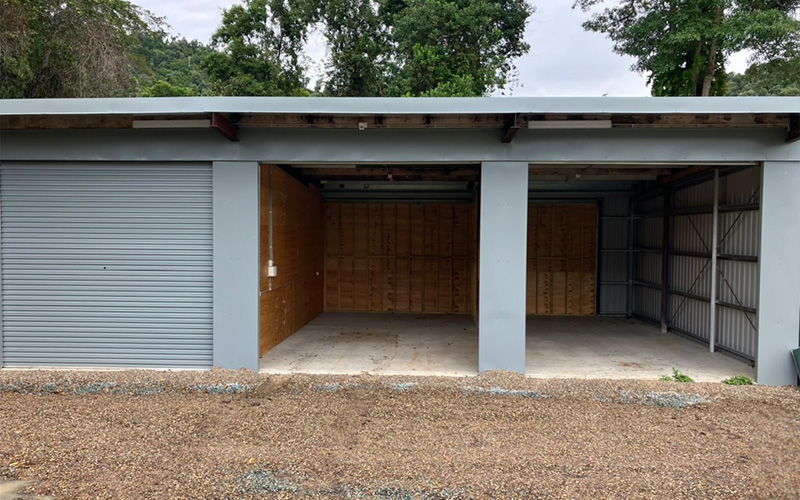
pixel 236 207
pixel 503 253
pixel 779 273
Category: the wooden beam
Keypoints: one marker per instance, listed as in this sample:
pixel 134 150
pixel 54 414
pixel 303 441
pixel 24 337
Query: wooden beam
pixel 396 173
pixel 474 121
pixel 224 126
pixel 687 172
pixel 595 174
pixel 794 128
pixel 747 120
pixel 510 128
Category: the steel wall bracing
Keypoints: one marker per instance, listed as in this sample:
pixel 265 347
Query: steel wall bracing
pixel 106 264
pixel 689 259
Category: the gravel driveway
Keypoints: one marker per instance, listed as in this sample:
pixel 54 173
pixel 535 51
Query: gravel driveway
pixel 224 434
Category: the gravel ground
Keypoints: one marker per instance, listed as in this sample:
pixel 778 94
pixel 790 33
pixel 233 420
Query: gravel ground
pixel 225 434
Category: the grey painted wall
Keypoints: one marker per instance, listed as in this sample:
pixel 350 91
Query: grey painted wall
pixel 779 273
pixel 503 253
pixel 235 188
pixel 347 146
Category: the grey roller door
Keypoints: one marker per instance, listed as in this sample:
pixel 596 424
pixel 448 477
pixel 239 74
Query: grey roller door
pixel 106 264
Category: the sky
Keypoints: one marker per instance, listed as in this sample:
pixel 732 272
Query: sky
pixel 564 60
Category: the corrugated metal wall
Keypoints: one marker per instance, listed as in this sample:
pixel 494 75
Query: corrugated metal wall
pixel 106 264
pixel 689 259
pixel 614 252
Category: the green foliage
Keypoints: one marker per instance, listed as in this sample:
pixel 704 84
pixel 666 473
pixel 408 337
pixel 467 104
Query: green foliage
pixel 739 380
pixel 171 66
pixel 682 45
pixel 359 48
pixel 462 46
pixel 458 86
pixel 259 48
pixel 69 48
pixel 376 48
pixel 160 88
pixel 677 376
pixel 780 77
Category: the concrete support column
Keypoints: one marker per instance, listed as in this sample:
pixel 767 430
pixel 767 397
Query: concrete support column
pixel 503 260
pixel 779 273
pixel 236 209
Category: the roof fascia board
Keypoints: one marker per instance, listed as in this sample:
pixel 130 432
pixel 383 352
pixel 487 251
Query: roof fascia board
pixel 400 105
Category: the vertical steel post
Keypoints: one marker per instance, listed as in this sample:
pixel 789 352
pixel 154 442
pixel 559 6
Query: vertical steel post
pixel 779 273
pixel 236 264
pixel 712 327
pixel 503 252
pixel 665 243
pixel 1 274
pixel 599 254
pixel 631 245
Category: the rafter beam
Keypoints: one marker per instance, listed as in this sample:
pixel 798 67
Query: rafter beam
pixel 510 128
pixel 687 172
pixel 224 126
pixel 594 174
pixel 794 128
pixel 393 173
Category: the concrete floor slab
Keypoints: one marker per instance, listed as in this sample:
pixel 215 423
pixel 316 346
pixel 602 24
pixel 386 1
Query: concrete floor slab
pixel 447 345
pixel 604 347
pixel 381 343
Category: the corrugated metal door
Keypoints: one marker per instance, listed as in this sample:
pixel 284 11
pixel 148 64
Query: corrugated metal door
pixel 106 264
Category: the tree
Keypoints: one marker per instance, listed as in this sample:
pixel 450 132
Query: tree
pixel 375 47
pixel 359 48
pixel 69 48
pixel 682 45
pixel 465 47
pixel 259 48
pixel 171 66
pixel 780 77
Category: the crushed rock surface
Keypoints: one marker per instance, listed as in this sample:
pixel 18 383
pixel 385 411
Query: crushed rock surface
pixel 240 435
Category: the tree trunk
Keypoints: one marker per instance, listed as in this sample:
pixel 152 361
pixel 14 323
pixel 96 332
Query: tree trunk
pixel 711 60
pixel 696 85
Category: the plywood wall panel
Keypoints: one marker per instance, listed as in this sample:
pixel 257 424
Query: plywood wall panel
pixel 296 295
pixel 403 288
pixel 444 302
pixel 416 293
pixel 346 283
pixel 347 230
pixel 375 285
pixel 360 229
pixel 460 284
pixel 403 231
pixel 403 257
pixel 389 285
pixel 417 230
pixel 332 283
pixel 562 259
pixel 360 285
pixel 473 237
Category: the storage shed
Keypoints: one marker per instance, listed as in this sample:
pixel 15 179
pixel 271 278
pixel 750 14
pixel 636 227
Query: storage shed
pixel 240 232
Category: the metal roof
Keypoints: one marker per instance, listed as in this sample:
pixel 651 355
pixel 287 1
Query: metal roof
pixel 400 105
